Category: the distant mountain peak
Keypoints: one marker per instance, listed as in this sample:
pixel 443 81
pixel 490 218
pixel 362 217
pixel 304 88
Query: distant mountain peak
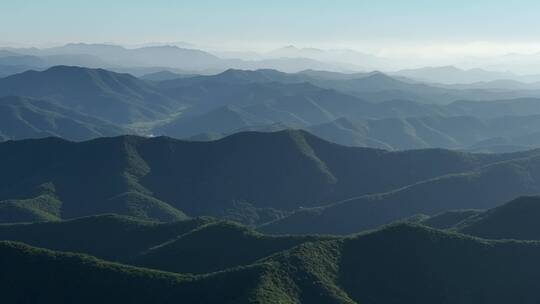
pixel 290 47
pixel 88 45
pixel 379 76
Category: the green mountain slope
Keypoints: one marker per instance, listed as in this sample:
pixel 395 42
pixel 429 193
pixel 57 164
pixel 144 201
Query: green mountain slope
pixel 399 264
pixel 38 275
pixel 29 118
pixel 111 237
pixel 448 219
pixel 38 209
pixel 114 97
pixel 517 219
pixel 65 170
pixel 267 174
pixel 200 245
pixel 216 247
pixel 412 264
pixel 479 189
pixel 143 206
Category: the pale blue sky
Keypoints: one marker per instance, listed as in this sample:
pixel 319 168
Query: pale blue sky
pixel 269 23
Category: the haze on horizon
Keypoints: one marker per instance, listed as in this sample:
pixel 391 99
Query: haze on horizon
pixel 422 33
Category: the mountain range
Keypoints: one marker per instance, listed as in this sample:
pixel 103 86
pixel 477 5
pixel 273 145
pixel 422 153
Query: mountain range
pixel 116 98
pixel 267 176
pixel 309 187
pixel 170 57
pixel 396 262
pixel 472 78
pixel 465 190
pixel 98 102
pixel 505 133
pixel 308 152
pixel 33 118
pixel 514 220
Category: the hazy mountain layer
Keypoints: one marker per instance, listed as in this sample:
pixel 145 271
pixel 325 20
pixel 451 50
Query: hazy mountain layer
pixel 116 98
pixel 22 118
pixel 320 102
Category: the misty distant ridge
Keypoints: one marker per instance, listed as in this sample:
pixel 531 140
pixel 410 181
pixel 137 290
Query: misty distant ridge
pixel 185 58
pixel 355 59
pixel 359 109
pixel 168 56
pixel 454 75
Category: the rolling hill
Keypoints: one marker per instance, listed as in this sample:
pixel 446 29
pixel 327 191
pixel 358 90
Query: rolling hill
pixel 268 174
pixel 265 97
pixel 478 189
pixel 39 275
pixel 199 245
pixel 110 237
pixel 22 118
pixel 116 98
pixel 514 220
pixel 222 104
pixel 412 264
pixel 374 86
pixel 214 247
pixel 224 120
pixel 468 133
pixel 404 262
pixel 237 100
pixel 450 132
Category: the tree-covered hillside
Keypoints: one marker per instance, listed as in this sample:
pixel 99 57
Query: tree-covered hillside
pixel 249 177
pixel 400 263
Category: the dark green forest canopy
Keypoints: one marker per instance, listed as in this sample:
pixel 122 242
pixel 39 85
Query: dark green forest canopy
pixel 379 266
pixel 272 178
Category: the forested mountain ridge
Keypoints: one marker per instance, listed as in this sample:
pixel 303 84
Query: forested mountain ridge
pixel 346 270
pixel 268 175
